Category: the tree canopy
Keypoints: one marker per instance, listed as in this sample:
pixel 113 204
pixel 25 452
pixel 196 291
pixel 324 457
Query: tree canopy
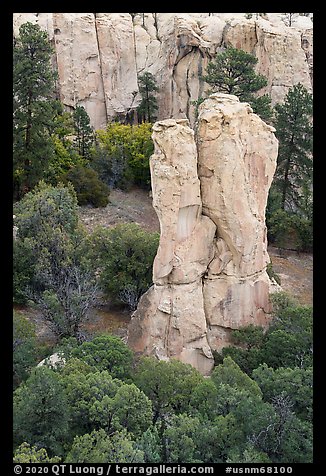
pixel 33 88
pixel 232 72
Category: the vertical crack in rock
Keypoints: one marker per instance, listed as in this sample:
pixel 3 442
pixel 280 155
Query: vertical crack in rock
pixel 106 82
pixel 56 31
pixel 100 64
pixel 156 27
pixel 210 196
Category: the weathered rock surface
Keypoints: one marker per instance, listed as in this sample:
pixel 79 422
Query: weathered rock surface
pixel 98 56
pixel 210 196
pixel 236 162
pixel 170 320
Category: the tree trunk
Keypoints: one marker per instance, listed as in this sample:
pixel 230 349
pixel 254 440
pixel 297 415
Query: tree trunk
pixel 27 162
pixel 285 184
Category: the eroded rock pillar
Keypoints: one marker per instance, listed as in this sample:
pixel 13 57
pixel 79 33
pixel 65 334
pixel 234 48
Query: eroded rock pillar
pixel 236 162
pixel 170 319
pixel 210 196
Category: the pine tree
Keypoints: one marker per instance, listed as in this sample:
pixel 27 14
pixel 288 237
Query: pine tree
pixel 232 72
pixel 84 132
pixel 294 164
pixel 148 105
pixel 33 86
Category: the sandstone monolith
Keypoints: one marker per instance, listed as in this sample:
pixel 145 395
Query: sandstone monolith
pixel 99 56
pixel 210 194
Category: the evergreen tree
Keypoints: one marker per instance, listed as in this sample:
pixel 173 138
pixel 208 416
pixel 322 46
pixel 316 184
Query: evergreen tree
pixel 148 105
pixel 41 412
pixel 33 85
pixel 84 132
pixel 61 284
pixel 99 447
pixel 294 163
pixel 232 72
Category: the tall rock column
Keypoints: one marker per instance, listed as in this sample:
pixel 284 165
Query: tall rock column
pixel 209 273
pixel 170 319
pixel 237 155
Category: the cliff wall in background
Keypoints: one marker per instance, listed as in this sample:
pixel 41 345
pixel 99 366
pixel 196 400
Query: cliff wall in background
pixel 98 56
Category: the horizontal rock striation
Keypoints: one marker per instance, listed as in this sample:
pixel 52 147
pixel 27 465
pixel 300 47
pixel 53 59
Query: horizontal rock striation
pixel 210 194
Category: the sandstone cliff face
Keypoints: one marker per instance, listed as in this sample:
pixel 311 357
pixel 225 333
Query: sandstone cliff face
pixel 98 56
pixel 210 194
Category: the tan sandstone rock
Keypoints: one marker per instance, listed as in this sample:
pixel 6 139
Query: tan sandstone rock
pixel 79 65
pixel 170 319
pixel 99 55
pixel 237 155
pixel 210 269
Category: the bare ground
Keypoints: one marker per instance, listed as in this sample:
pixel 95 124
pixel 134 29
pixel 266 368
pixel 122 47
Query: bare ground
pixel 134 206
pixel 296 273
pixel 294 269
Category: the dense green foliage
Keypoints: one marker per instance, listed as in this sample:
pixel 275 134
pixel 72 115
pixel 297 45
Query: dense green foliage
pixel 148 105
pixel 232 72
pixel 60 281
pixel 84 133
pixel 41 211
pixel 41 411
pixel 33 85
pixel 89 188
pixel 255 407
pixel 123 257
pixel 121 156
pixel 26 453
pixel 289 210
pixel 98 447
pixel 106 352
pixel 287 343
pixel 294 131
pixel 168 385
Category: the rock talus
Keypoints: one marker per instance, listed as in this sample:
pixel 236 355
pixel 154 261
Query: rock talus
pixel 210 194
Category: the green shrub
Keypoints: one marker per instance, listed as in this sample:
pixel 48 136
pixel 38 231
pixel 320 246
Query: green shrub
pixel 46 206
pixel 65 159
pixel 26 453
pixel 304 232
pixel 272 274
pixel 106 352
pixel 23 269
pixel 89 188
pixel 121 156
pixel 124 257
pixel 59 280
